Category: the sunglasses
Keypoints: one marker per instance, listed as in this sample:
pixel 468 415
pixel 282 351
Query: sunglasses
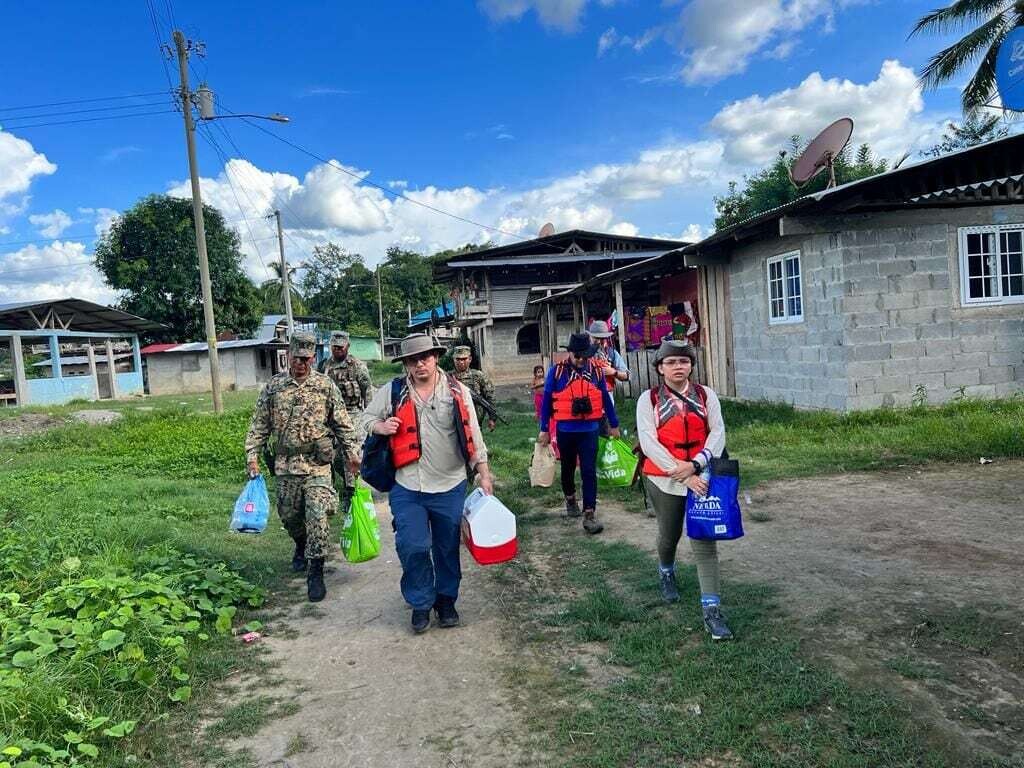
pixel 420 358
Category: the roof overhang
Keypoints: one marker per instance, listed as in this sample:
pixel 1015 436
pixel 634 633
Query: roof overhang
pixel 71 314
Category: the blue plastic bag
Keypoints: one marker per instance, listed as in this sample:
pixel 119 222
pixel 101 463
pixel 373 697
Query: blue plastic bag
pixel 252 508
pixel 717 515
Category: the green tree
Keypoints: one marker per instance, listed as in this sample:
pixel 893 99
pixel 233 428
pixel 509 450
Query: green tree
pixel 272 293
pixel 972 131
pixel 338 284
pixel 150 254
pixel 408 282
pixel 772 187
pixel 985 24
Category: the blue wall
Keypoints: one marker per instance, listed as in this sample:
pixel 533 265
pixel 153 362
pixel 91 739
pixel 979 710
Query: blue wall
pixel 56 391
pixel 129 383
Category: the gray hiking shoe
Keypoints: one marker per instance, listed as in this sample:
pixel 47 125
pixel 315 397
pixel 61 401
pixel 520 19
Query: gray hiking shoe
pixel 572 507
pixel 590 522
pixel 669 590
pixel 714 623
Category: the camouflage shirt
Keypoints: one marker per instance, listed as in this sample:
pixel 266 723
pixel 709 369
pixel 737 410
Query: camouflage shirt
pixel 298 415
pixel 478 384
pixel 353 379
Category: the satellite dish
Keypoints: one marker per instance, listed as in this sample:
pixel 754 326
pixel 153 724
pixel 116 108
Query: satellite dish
pixel 547 230
pixel 1010 70
pixel 821 153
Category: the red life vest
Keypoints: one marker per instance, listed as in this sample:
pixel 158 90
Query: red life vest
pixel 577 386
pixel 405 443
pixel 684 433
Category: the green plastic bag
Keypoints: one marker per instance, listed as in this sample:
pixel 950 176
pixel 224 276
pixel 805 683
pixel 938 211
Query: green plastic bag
pixel 616 462
pixel 360 535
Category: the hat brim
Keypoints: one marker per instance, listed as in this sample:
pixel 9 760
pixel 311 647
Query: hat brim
pixel 601 335
pixel 437 348
pixel 590 352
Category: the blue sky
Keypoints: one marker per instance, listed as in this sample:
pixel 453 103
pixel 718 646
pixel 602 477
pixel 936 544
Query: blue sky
pixel 619 115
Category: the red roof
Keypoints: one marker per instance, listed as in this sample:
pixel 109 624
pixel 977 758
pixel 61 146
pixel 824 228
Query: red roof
pixel 150 349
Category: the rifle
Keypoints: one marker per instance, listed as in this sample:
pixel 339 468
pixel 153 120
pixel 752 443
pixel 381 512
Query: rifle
pixel 489 409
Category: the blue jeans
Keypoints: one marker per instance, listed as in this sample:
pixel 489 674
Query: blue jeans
pixel 583 445
pixel 428 524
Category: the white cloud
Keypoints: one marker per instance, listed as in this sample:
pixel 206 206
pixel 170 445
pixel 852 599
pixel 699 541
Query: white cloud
pixel 608 40
pixel 563 15
pixel 116 153
pixel 19 164
pixel 887 113
pixel 52 271
pixel 398 184
pixel 51 224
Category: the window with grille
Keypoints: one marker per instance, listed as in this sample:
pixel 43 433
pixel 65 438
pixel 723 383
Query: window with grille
pixel 785 295
pixel 992 264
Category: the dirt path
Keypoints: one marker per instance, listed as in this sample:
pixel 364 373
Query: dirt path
pixel 875 566
pixel 374 695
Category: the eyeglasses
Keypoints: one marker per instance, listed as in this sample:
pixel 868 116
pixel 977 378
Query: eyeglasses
pixel 420 358
pixel 676 362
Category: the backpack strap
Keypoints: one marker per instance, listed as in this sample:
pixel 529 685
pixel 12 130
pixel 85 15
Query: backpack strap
pixel 396 393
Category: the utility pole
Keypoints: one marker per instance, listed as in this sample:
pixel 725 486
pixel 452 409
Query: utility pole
pixel 197 216
pixel 284 277
pixel 380 313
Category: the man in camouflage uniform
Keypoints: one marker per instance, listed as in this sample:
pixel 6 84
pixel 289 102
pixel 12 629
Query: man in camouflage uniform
pixel 353 380
pixel 304 412
pixel 476 380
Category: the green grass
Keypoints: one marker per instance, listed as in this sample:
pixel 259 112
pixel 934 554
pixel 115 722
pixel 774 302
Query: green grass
pixel 649 688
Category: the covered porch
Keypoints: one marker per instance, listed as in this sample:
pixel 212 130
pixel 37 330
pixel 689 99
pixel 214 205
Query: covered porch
pixel 52 352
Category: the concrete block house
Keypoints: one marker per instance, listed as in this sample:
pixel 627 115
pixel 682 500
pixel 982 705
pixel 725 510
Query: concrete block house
pixel 906 285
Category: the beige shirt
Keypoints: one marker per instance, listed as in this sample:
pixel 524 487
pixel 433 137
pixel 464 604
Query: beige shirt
pixel 647 431
pixel 440 467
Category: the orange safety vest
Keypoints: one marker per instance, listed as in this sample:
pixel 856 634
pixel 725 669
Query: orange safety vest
pixel 577 386
pixel 406 447
pixel 683 433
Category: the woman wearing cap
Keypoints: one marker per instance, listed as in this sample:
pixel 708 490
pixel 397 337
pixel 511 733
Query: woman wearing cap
pixel 576 396
pixel 680 427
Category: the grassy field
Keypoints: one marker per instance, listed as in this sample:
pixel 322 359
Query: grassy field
pixel 121 585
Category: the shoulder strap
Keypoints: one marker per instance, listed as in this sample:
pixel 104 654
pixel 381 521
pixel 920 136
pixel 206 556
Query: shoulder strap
pixel 396 393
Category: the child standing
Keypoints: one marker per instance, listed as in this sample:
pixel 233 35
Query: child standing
pixel 538 388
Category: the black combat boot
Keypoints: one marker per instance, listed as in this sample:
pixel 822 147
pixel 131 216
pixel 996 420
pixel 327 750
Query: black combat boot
pixel 447 616
pixel 315 588
pixel 299 558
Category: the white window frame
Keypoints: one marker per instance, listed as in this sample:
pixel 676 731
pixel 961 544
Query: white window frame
pixel 986 301
pixel 787 296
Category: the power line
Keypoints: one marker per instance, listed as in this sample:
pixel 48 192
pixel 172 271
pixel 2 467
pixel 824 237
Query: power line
pixel 45 269
pixel 84 111
pixel 159 44
pixel 82 101
pixel 63 236
pixel 92 119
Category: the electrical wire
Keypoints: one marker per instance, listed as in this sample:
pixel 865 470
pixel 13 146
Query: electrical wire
pixel 82 101
pixel 92 119
pixel 44 269
pixel 84 111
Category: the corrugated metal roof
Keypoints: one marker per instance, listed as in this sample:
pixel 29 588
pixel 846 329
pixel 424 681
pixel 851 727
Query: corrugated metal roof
pixel 445 310
pixel 84 316
pixel 508 301
pixel 548 258
pixel 201 346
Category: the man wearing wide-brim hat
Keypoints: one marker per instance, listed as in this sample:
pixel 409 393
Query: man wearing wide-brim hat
pixel 434 437
pixel 576 397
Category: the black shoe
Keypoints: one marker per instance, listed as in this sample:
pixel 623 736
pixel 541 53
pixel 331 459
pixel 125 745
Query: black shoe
pixel 299 557
pixel 447 616
pixel 714 623
pixel 315 588
pixel 669 590
pixel 572 508
pixel 420 620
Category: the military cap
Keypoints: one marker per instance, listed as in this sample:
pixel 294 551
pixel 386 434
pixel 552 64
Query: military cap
pixel 339 338
pixel 462 351
pixel 302 344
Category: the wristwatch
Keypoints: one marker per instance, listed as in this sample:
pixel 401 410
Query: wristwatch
pixel 696 467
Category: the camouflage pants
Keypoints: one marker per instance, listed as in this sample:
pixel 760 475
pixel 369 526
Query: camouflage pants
pixel 344 480
pixel 304 504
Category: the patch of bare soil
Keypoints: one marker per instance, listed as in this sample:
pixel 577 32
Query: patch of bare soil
pixel 26 424
pixel 908 579
pixel 372 694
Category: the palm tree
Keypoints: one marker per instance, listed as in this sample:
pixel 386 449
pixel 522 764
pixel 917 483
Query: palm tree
pixel 988 23
pixel 272 292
